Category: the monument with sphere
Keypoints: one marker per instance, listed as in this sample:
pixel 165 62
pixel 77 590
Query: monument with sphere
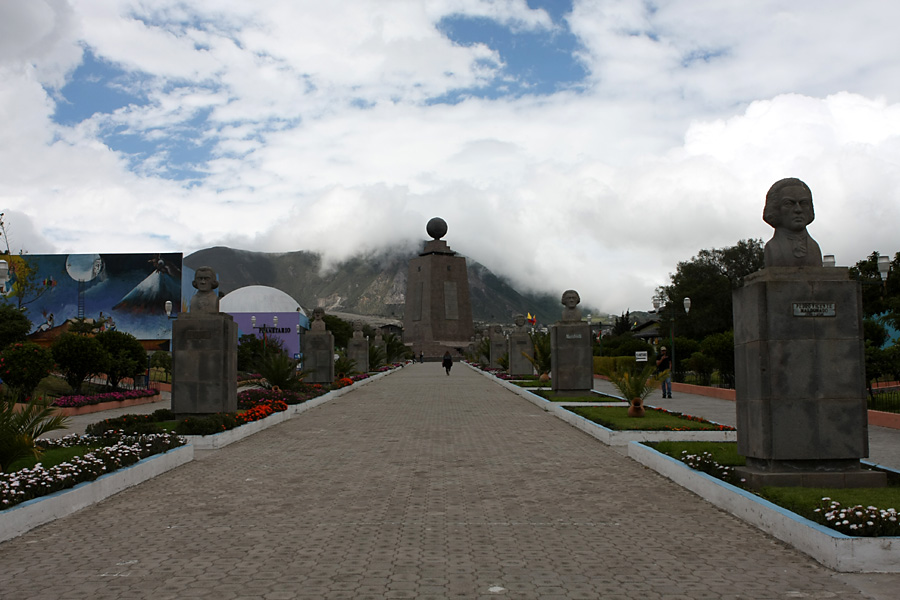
pixel 438 315
pixel 799 362
pixel 204 353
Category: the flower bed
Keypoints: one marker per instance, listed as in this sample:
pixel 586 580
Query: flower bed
pixel 114 452
pixel 78 401
pixel 836 550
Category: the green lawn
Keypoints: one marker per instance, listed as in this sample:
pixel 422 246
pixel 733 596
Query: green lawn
pixel 50 458
pixel 616 418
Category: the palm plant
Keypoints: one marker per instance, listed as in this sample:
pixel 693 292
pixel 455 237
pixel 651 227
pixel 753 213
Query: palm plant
pixel 344 366
pixel 20 428
pixel 395 349
pixel 541 361
pixel 376 357
pixel 635 386
pixel 279 370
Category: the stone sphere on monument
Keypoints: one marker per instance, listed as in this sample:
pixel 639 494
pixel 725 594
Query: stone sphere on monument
pixel 436 228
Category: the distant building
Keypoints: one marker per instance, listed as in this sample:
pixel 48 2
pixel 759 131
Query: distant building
pixel 267 313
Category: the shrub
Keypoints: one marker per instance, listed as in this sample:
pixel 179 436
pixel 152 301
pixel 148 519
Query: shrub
pixel 78 356
pixel 207 425
pixel 22 366
pixel 14 325
pixel 126 356
pixel 130 424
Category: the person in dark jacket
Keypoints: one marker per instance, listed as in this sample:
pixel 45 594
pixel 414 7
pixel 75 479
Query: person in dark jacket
pixel 447 362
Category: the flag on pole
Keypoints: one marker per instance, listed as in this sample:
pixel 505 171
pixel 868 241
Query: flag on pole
pixel 532 320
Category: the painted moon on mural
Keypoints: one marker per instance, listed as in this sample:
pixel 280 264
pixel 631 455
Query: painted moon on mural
pixel 84 267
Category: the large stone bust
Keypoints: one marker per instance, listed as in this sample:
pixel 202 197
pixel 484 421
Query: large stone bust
pixel 789 209
pixel 571 313
pixel 205 301
pixel 318 322
pixel 520 324
pixel 358 329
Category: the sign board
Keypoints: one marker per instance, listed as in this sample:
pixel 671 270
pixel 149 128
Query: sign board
pixel 640 356
pixel 813 309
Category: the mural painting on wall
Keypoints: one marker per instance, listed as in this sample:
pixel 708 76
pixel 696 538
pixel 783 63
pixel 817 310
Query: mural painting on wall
pixel 126 292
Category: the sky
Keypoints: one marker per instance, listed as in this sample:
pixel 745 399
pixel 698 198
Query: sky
pixel 568 144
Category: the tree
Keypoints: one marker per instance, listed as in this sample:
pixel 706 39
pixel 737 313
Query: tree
pixel 708 280
pixel 340 329
pixel 622 324
pixel 22 366
pixel 14 325
pixel 252 351
pixel 126 356
pixel 78 356
pixel 162 360
pixel 624 345
pixel 720 348
pixel 881 306
pixel 881 299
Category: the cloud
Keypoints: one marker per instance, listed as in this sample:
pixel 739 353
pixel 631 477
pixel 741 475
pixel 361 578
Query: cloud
pixel 312 128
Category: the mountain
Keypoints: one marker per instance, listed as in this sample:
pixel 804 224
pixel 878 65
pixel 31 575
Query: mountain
pixel 364 285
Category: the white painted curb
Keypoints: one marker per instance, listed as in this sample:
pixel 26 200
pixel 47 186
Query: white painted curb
pixel 831 548
pixel 220 440
pixel 609 436
pixel 26 516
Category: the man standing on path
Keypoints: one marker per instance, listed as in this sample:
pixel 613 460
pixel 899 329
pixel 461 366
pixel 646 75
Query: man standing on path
pixel 447 362
pixel 664 363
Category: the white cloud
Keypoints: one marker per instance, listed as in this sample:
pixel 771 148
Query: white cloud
pixel 323 139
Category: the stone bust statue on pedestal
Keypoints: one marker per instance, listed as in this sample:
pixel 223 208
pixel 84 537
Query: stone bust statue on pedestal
pixel 789 209
pixel 571 312
pixel 205 300
pixel 520 324
pixel 318 322
pixel 358 329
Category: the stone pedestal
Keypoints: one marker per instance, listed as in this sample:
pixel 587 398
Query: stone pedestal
pixel 572 370
pixel 358 352
pixel 499 347
pixel 204 363
pixel 799 378
pixel 520 344
pixel 318 356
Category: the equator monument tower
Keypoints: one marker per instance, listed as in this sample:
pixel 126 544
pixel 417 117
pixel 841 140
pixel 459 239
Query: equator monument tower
pixel 438 315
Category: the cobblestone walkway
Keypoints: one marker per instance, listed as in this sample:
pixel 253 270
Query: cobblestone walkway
pixel 421 486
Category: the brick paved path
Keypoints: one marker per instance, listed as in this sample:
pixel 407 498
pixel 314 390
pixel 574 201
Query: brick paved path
pixel 418 485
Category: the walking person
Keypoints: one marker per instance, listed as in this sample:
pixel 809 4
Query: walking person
pixel 664 363
pixel 421 357
pixel 447 362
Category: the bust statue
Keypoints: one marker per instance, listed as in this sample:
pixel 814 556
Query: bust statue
pixel 571 313
pixel 520 323
pixel 789 209
pixel 205 300
pixel 357 329
pixel 318 322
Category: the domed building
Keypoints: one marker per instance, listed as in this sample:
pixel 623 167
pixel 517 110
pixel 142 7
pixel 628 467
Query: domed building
pixel 267 312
